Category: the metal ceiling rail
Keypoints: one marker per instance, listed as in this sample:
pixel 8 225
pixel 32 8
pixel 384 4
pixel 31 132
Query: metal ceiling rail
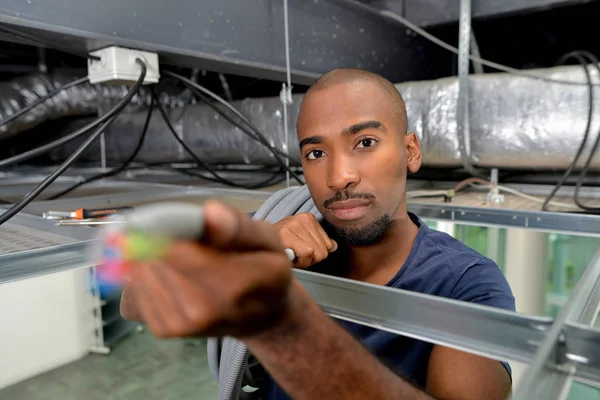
pixel 159 192
pixel 486 331
pixel 477 329
pixel 47 260
pixel 555 365
pixel 580 224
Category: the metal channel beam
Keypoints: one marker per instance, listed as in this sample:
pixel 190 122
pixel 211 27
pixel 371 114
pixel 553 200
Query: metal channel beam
pixel 49 260
pixel 477 329
pixel 577 224
pixel 486 331
pixel 554 365
pixel 30 221
pixel 584 348
pixel 231 36
pixel 160 192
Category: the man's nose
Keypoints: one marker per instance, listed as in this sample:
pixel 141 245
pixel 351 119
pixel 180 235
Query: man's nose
pixel 342 174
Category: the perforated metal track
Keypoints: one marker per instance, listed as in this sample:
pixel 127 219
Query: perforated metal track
pixel 15 238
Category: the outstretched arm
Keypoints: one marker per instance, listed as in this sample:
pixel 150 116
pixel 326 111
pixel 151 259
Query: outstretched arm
pixel 238 282
pixel 310 356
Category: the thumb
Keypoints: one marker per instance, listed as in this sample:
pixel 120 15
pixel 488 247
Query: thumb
pixel 334 246
pixel 229 228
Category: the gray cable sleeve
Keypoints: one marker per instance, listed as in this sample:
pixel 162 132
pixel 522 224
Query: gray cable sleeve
pixel 228 357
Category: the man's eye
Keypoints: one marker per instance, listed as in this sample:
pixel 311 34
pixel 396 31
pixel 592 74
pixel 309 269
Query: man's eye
pixel 366 143
pixel 314 154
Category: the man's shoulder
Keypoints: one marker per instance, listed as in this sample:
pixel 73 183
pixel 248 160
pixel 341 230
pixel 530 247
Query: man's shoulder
pixel 466 273
pixel 453 253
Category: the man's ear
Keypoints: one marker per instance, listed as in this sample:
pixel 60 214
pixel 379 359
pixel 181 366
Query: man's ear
pixel 413 152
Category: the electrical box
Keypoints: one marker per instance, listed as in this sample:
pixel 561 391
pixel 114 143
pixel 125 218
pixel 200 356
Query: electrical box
pixel 117 65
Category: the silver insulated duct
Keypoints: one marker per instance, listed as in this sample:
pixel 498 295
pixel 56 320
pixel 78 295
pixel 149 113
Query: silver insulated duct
pixel 80 100
pixel 516 122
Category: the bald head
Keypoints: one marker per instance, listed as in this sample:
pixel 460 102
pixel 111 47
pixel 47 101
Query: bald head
pixel 351 76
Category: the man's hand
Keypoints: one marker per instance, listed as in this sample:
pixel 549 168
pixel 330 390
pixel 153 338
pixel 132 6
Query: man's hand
pixel 303 234
pixel 236 281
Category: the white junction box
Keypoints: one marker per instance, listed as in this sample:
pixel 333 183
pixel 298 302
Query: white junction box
pixel 118 65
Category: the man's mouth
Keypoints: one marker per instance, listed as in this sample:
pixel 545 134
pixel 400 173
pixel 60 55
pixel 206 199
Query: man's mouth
pixel 348 210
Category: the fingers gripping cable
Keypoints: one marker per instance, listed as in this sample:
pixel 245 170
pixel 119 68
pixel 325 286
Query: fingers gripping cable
pixel 228 357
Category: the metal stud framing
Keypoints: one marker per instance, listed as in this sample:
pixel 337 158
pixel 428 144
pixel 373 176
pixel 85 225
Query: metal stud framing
pixel 558 350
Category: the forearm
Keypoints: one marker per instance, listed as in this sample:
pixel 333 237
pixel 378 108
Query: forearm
pixel 311 357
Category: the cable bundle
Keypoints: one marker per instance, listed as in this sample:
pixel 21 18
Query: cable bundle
pixel 105 120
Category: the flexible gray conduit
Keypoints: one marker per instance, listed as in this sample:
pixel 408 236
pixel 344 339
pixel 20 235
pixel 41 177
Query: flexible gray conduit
pixel 228 357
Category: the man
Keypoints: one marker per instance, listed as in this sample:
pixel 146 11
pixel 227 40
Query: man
pixel 356 153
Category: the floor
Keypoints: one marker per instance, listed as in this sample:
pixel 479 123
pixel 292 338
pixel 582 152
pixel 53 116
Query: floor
pixel 139 367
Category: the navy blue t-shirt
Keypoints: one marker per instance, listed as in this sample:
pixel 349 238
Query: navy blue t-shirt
pixel 438 265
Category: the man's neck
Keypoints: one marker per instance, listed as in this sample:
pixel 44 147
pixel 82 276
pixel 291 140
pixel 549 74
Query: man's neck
pixel 379 263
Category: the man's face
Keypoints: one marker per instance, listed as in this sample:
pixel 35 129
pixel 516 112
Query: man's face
pixel 355 156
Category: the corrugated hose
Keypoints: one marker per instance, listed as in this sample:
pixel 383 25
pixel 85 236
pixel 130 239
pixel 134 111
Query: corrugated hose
pixel 228 357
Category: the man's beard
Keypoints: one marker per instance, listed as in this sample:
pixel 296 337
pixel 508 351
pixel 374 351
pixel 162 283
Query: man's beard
pixel 364 235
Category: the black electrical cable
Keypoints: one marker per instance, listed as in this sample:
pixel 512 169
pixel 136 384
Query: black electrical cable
pixel 204 164
pixel 277 176
pixel 580 56
pixel 422 32
pixel 594 61
pixel 29 197
pixel 216 167
pixel 274 179
pixel 577 55
pixel 72 136
pixel 118 169
pixel 244 129
pixel 254 133
pixel 198 88
pixel 43 99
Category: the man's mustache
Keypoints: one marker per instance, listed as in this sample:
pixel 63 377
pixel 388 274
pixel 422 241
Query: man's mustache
pixel 347 195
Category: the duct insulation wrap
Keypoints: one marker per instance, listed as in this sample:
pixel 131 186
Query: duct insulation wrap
pixel 84 99
pixel 516 122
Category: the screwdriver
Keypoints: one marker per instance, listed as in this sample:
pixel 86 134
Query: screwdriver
pixel 85 213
